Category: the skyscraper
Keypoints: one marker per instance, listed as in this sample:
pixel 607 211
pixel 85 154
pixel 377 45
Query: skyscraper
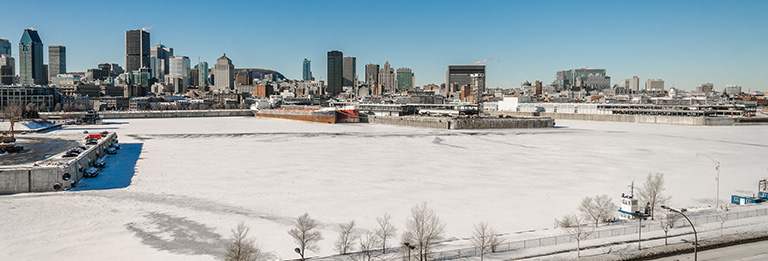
pixel 404 79
pixel 350 63
pixel 202 74
pixel 5 47
pixel 136 50
pixel 371 74
pixel 306 71
pixel 224 74
pixel 179 69
pixel 57 61
pixel 335 72
pixel 31 58
pixel 458 76
pixel 160 56
pixel 387 79
pixel 7 69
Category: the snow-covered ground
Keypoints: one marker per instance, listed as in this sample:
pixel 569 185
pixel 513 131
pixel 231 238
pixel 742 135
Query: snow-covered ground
pixel 196 178
pixel 24 125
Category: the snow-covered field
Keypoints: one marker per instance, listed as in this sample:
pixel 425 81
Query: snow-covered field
pixel 196 178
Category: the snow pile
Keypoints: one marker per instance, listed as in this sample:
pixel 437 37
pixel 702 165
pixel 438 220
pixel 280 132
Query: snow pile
pixel 25 125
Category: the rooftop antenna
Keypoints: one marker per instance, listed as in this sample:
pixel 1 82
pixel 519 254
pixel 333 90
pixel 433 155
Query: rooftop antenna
pixel 632 189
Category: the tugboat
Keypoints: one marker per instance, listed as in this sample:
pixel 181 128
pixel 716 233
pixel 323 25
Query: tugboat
pixel 630 209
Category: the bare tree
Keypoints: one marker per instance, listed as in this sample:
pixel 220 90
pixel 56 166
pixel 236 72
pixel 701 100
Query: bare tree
pixel 496 240
pixel 385 230
pixel 425 227
pixel 598 208
pixel 573 224
pixel 346 240
pixel 651 193
pixel 240 247
pixel 368 242
pixel 305 234
pixel 482 236
pixel 722 216
pixel 667 222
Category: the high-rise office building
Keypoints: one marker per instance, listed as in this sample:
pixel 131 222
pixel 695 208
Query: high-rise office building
pixel 335 72
pixel 582 78
pixel 57 61
pixel 371 74
pixel 7 69
pixel 179 66
pixel 202 74
pixel 634 83
pixel 160 56
pixel 224 74
pixel 5 47
pixel 350 63
pixel 31 59
pixel 387 79
pixel 654 85
pixel 136 50
pixel 404 79
pixel 457 76
pixel 306 72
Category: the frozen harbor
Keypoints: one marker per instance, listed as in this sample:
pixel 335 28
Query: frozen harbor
pixel 196 178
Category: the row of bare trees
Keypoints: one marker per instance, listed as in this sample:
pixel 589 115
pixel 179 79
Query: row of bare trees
pixel 28 111
pixel 423 229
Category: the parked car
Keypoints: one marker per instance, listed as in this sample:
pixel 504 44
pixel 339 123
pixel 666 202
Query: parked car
pixel 85 132
pixel 100 163
pixel 111 151
pixel 91 172
pixel 115 145
pixel 70 154
pixel 91 142
pixel 104 133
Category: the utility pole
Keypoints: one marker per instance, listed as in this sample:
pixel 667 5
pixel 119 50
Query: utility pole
pixel 717 167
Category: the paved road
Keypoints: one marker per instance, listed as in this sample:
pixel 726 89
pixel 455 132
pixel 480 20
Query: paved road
pixel 751 251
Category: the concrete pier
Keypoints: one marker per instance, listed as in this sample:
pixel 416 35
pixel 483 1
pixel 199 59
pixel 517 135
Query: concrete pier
pixel 649 119
pixel 458 123
pixel 53 174
pixel 154 114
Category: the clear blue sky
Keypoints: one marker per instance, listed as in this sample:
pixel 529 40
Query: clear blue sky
pixel 686 43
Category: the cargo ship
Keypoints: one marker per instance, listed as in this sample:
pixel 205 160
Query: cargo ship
pixel 347 114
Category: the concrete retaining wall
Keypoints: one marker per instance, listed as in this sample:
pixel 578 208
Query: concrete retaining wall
pixel 413 121
pixel 502 123
pixel 158 114
pixel 648 119
pixel 47 177
pixel 463 123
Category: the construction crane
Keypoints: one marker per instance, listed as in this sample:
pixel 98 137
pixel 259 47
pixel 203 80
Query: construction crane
pixel 8 140
pixel 7 136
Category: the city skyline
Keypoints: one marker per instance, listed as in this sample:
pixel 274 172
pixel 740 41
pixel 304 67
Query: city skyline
pixel 677 42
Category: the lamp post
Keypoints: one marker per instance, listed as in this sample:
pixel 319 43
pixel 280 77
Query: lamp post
pixel 717 167
pixel 410 247
pixel 298 251
pixel 695 236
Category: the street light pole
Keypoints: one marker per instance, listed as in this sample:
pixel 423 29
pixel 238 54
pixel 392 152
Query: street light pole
pixel 695 236
pixel 717 167
pixel 409 246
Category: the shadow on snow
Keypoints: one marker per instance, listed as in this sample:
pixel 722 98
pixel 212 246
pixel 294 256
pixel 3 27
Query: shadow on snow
pixel 118 171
